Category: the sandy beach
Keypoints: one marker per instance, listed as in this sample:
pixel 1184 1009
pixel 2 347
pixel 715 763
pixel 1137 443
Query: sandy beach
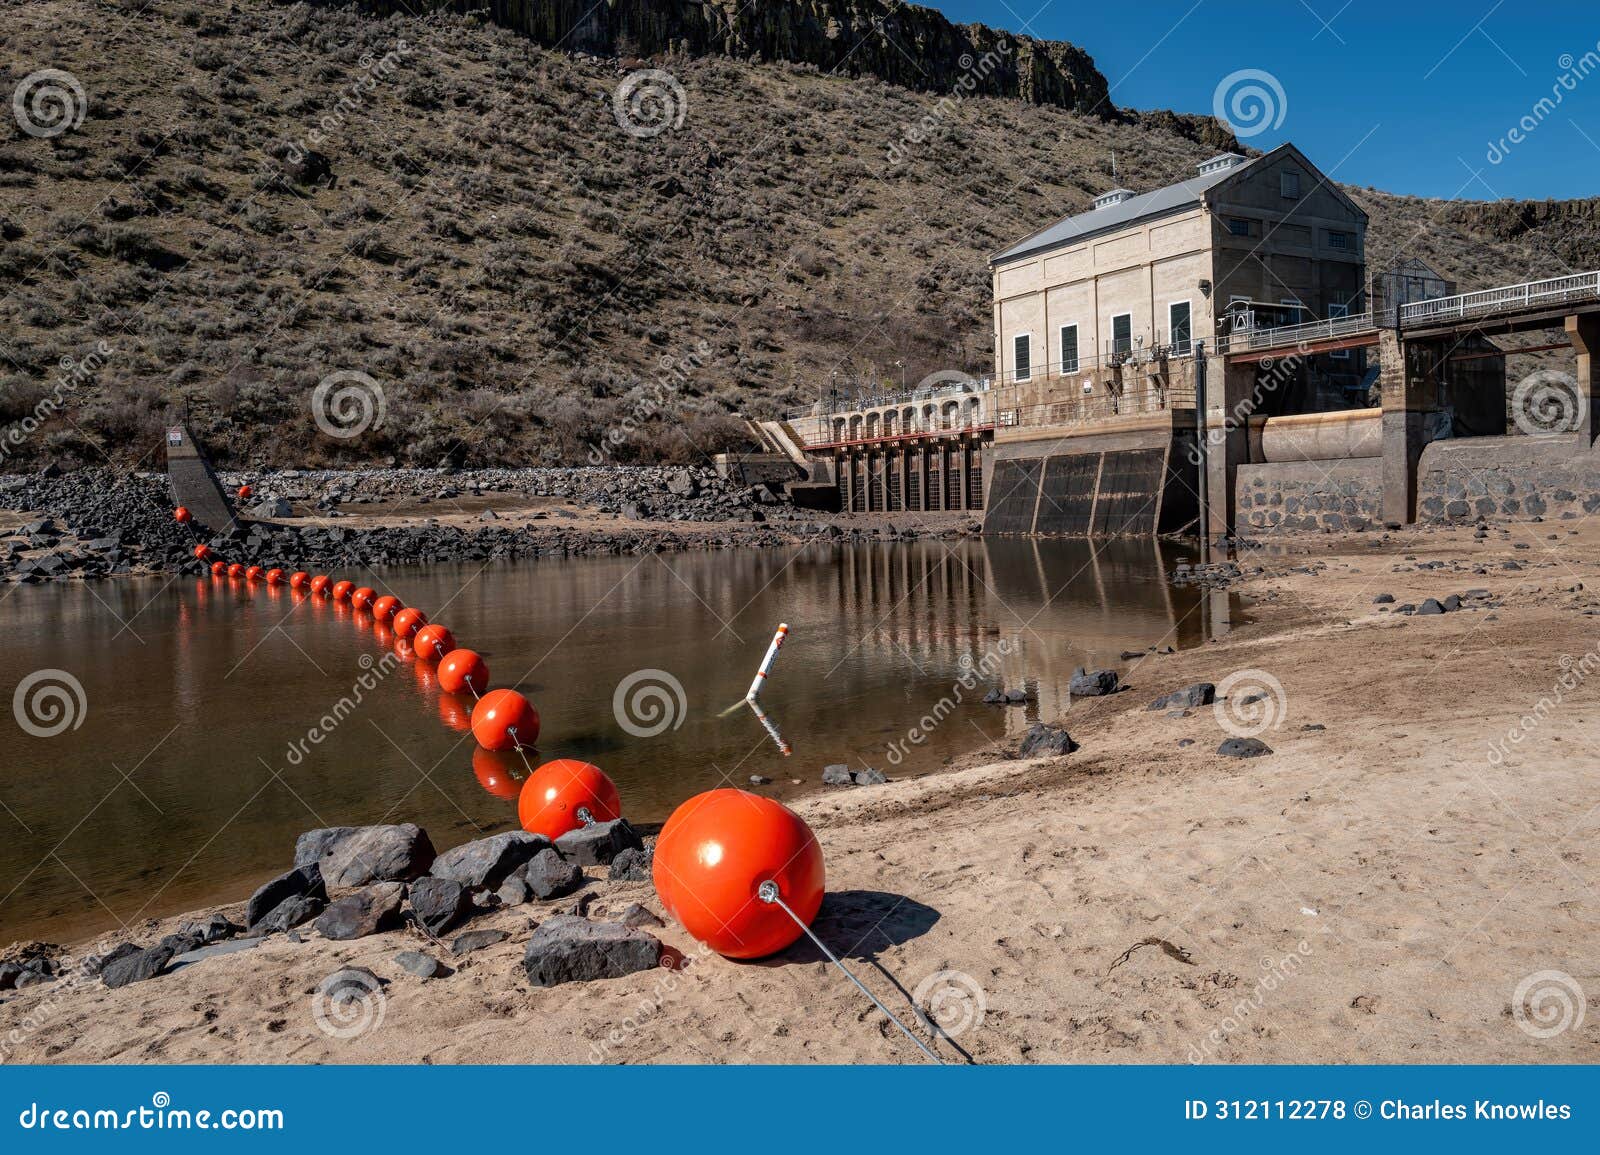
pixel 1408 876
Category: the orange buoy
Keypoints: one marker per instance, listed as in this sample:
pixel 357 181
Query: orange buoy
pixel 274 576
pixel 503 720
pixel 299 580
pixel 253 573
pixel 236 570
pixel 244 492
pixel 384 608
pixel 182 516
pixel 433 642
pixel 203 552
pixel 321 584
pixel 494 774
pixel 463 670
pixel 555 792
pixel 341 590
pixel 361 599
pixel 407 622
pixel 711 858
pixel 218 568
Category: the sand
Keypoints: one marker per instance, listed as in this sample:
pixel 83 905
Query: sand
pixel 1392 888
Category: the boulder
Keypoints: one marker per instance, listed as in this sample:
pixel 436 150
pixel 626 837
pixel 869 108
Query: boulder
pixel 424 966
pixel 1046 741
pixel 96 963
pixel 9 973
pixel 271 507
pixel 514 891
pixel 439 903
pixel 214 929
pixel 1244 748
pixel 1092 683
pixel 637 915
pixel 313 844
pixel 1199 694
pixel 488 861
pixel 565 948
pixel 138 966
pixel 200 954
pixel 868 777
pixel 599 842
pixel 363 912
pixel 549 875
pixel 631 866
pixel 837 775
pixel 301 882
pixel 1430 606
pixel 377 854
pixel 288 914
pixel 477 940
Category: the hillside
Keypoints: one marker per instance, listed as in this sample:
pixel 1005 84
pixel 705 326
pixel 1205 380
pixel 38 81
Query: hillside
pixel 259 198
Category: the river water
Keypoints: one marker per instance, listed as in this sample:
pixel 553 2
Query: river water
pixel 216 723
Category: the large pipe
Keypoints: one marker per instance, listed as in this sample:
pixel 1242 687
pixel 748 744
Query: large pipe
pixel 1336 436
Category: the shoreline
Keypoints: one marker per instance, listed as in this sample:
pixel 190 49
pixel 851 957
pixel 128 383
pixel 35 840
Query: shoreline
pixel 1120 903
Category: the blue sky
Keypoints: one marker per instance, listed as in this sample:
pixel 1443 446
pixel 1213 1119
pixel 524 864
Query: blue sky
pixel 1412 96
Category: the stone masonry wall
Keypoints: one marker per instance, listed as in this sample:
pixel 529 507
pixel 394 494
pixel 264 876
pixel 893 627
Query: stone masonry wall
pixel 1506 479
pixel 1337 496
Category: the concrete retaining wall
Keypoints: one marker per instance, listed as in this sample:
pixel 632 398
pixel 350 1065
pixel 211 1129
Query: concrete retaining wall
pixel 1507 479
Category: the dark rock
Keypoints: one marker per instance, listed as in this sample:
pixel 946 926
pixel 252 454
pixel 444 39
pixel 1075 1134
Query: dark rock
pixel 137 967
pixel 1452 603
pixel 1383 600
pixel 1046 741
pixel 1430 607
pixel 476 940
pixel 313 844
pixel 424 966
pixel 567 949
pixel 488 861
pixel 271 507
pixel 514 891
pixel 347 995
pixel 1199 694
pixel 760 780
pixel 439 903
pixel 1185 743
pixel 1244 748
pixel 1092 683
pixel 301 882
pixel 631 865
pixel 869 777
pixel 200 954
pixel 214 929
pixel 288 914
pixel 549 875
pixel 599 842
pixel 637 915
pixel 96 963
pixel 366 911
pixel 8 975
pixel 837 775
pixel 1016 697
pixel 377 854
pixel 994 697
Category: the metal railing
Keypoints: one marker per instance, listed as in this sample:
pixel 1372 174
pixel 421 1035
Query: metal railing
pixel 1556 290
pixel 1074 410
pixel 1305 333
pixel 879 436
pixel 972 388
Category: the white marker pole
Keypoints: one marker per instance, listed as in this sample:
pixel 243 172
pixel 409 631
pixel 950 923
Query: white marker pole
pixel 766 662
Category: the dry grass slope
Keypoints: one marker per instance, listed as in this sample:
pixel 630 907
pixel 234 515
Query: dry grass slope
pixel 517 272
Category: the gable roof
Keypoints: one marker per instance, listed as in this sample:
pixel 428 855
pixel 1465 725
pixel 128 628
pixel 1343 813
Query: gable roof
pixel 1162 202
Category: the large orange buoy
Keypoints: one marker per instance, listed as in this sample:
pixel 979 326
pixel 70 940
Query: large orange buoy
pixel 463 670
pixel 494 773
pixel 711 858
pixel 503 720
pixel 244 492
pixel 433 642
pixel 341 590
pixel 203 552
pixel 321 584
pixel 182 516
pixel 236 570
pixel 218 568
pixel 274 576
pixel 299 580
pixel 253 573
pixel 362 597
pixel 384 608
pixel 408 622
pixel 555 792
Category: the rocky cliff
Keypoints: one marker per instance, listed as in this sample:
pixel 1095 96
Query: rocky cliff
pixel 902 44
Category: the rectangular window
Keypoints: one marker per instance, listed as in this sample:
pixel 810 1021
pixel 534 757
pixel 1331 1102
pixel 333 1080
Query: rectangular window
pixel 1179 325
pixel 1238 227
pixel 1341 241
pixel 1290 184
pixel 1021 358
pixel 1069 348
pixel 1122 333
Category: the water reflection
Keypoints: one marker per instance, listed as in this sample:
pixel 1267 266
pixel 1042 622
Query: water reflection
pixel 201 692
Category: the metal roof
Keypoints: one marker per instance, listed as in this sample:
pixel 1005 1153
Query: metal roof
pixel 1162 201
